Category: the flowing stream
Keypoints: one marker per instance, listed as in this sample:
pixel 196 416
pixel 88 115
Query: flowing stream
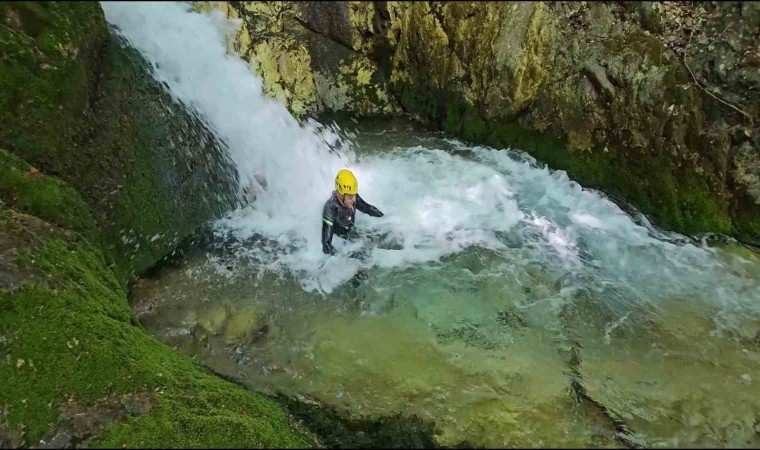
pixel 496 299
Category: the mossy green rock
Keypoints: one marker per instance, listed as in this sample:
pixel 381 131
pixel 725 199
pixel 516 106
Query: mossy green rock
pixel 25 189
pixel 68 335
pixel 75 102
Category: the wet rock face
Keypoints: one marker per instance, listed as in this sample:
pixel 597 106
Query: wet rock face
pixel 77 103
pixel 646 101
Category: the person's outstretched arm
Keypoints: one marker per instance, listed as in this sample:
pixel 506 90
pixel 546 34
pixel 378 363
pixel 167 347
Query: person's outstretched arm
pixel 366 208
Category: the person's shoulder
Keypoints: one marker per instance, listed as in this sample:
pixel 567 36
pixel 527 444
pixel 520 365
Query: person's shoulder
pixel 331 204
pixel 332 199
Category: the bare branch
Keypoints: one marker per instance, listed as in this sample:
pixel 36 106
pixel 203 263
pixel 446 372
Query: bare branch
pixel 693 77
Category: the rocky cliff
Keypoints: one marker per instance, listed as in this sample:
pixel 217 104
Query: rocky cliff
pixel 101 175
pixel 653 103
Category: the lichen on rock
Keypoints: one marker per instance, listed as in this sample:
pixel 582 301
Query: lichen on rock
pixel 304 60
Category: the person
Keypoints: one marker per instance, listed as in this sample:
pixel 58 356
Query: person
pixel 340 210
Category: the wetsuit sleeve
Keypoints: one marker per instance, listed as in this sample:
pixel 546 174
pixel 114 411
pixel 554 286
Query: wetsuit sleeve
pixel 366 208
pixel 328 219
pixel 327 234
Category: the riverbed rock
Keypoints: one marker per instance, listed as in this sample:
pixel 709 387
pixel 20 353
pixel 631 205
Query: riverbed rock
pixel 670 375
pixel 213 319
pixel 393 364
pixel 243 322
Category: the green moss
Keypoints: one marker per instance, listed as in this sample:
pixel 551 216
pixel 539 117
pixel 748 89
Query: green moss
pixel 464 119
pixel 700 209
pixel 46 197
pixel 206 413
pixel 747 223
pixel 747 229
pixel 77 338
pixel 474 128
pixel 421 104
pixel 453 122
pixel 48 54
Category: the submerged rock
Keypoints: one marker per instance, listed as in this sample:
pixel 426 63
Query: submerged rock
pixel 391 363
pixel 670 375
pixel 244 321
pixel 212 320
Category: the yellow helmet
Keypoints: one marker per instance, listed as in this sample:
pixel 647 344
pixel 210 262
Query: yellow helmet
pixel 345 182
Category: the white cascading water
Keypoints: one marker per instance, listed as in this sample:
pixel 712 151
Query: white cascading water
pixel 435 203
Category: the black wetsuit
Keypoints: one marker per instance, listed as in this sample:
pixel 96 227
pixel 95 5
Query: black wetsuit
pixel 337 219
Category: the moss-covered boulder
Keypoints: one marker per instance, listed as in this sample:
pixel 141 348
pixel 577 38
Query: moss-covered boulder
pixel 77 368
pixel 75 102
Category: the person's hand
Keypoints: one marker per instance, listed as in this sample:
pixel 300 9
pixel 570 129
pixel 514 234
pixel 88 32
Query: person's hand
pixel 374 212
pixel 328 249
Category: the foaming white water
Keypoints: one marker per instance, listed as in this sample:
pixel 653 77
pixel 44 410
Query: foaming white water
pixel 268 146
pixel 427 214
pixel 435 203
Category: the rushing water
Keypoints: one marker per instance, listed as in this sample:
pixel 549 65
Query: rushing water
pixel 496 299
